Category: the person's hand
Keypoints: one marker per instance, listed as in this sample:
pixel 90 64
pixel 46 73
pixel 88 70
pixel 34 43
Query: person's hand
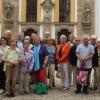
pixel 30 69
pixel 13 62
pixel 44 65
pixel 20 60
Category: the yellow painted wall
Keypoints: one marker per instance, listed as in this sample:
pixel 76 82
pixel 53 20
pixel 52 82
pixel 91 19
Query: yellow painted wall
pixel 56 11
pixel 1 10
pixel 72 10
pixel 22 17
pixel 38 10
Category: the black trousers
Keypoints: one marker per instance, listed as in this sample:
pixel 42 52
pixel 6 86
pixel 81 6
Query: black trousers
pixel 2 76
pixel 85 87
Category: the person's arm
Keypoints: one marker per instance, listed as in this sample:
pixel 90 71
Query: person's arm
pixel 56 54
pixel 32 62
pixel 46 54
pixel 89 57
pixel 45 61
pixel 78 56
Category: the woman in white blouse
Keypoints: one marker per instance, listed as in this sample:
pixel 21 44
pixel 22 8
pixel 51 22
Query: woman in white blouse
pixel 3 48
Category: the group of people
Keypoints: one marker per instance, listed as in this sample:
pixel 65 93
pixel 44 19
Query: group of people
pixel 27 59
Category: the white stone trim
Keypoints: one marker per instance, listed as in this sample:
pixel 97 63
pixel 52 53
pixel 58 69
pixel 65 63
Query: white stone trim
pixel 75 30
pixel 97 18
pixel 41 31
pixel 20 29
pixel 41 26
pixel 53 33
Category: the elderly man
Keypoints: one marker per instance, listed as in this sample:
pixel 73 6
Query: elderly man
pixel 95 60
pixel 19 40
pixel 84 53
pixel 71 43
pixel 73 58
pixel 8 34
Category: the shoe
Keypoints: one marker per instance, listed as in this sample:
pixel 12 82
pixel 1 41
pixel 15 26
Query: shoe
pixel 12 94
pixel 50 87
pixel 26 92
pixel 98 90
pixel 22 93
pixel 65 88
pixel 1 91
pixel 77 92
pixel 86 92
pixel 8 95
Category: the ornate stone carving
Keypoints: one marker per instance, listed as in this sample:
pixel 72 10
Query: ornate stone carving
pixel 8 12
pixel 47 7
pixel 86 23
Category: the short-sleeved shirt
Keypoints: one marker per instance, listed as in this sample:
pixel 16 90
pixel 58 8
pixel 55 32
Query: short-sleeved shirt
pixel 51 52
pixel 83 52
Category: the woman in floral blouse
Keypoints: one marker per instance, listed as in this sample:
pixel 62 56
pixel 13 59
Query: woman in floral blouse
pixel 26 66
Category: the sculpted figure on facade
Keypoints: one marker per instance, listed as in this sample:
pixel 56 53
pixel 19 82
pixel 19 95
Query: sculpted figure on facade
pixel 8 11
pixel 47 7
pixel 87 14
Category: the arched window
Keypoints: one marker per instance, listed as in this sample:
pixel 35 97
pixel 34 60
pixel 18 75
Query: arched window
pixel 31 11
pixel 64 10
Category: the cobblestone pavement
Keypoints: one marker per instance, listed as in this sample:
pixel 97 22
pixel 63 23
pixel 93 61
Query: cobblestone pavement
pixel 55 94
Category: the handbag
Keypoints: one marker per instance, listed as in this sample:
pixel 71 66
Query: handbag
pixel 60 74
pixel 81 77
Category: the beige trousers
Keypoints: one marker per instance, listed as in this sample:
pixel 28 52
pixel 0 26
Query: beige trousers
pixel 11 73
pixel 97 76
pixel 24 82
pixel 64 68
pixel 50 70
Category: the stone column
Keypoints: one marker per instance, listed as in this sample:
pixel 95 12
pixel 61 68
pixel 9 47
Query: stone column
pixel 97 18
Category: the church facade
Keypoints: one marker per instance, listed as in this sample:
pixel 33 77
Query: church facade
pixel 57 16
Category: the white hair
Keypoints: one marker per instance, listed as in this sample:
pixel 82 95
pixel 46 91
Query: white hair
pixel 85 36
pixel 77 37
pixel 93 37
pixel 63 36
pixel 98 40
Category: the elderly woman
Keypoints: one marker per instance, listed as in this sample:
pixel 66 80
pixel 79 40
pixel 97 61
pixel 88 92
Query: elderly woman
pixel 11 60
pixel 62 56
pixel 39 70
pixel 51 61
pixel 29 39
pixel 3 49
pixel 26 66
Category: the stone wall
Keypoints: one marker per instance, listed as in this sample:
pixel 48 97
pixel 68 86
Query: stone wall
pixel 89 29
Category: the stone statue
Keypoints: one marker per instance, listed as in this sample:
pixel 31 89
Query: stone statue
pixel 8 9
pixel 86 13
pixel 47 6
